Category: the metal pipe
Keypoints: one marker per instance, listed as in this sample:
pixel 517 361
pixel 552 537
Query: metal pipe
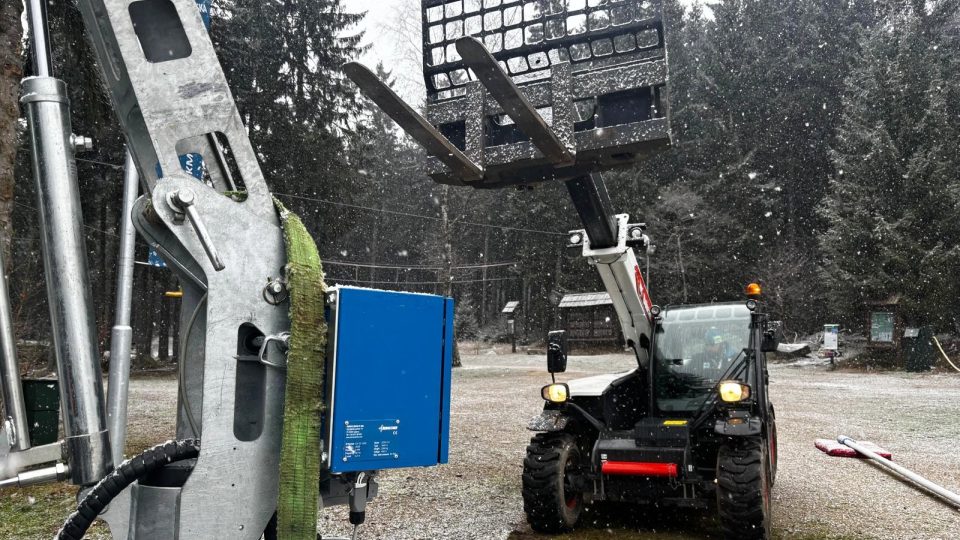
pixel 10 372
pixel 67 278
pixel 55 473
pixel 911 476
pixel 37 21
pixel 121 336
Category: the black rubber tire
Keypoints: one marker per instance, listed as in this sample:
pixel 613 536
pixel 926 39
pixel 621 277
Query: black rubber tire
pixel 551 507
pixel 743 491
pixel 774 452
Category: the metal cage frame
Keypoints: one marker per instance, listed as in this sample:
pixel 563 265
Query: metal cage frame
pixel 594 70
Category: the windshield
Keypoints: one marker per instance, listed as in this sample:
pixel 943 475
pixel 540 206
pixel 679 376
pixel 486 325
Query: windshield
pixel 693 347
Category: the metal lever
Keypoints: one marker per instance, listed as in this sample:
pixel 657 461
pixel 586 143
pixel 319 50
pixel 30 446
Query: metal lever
pixel 183 202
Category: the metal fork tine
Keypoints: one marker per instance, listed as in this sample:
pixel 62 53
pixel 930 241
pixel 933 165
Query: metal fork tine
pixel 514 103
pixel 413 122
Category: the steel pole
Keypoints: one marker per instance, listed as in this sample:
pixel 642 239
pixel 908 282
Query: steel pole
pixel 39 36
pixel 65 264
pixel 121 336
pixel 10 371
pixel 937 490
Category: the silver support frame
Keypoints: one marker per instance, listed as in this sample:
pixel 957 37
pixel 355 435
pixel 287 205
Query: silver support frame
pixel 121 336
pixel 65 263
pixel 169 106
pixel 15 423
pixel 39 36
pixel 68 279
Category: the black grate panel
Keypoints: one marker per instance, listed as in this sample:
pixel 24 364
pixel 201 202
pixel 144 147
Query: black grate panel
pixel 528 37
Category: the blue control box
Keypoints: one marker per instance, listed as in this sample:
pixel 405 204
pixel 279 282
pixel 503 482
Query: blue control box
pixel 389 362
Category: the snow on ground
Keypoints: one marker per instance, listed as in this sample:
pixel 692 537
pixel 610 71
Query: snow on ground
pixel 477 495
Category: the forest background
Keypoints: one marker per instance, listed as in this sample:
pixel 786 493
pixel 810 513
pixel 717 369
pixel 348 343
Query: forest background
pixel 816 149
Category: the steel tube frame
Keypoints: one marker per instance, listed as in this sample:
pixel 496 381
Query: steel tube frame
pixel 121 336
pixel 10 370
pixel 65 264
pixel 37 22
pixel 909 475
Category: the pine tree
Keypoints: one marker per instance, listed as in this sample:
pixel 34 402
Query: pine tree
pixel 282 59
pixel 894 199
pixel 11 71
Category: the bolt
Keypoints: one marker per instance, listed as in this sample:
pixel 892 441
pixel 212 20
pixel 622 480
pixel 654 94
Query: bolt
pixel 184 197
pixel 81 143
pixel 276 287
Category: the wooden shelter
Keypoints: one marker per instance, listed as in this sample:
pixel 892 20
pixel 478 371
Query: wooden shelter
pixel 590 320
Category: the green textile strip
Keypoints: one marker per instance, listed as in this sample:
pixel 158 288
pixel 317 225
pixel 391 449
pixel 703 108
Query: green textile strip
pixel 303 403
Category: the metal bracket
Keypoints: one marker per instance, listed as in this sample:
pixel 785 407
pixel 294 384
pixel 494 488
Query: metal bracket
pixel 283 338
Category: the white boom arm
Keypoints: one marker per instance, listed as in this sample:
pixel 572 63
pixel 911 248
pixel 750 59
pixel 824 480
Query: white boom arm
pixel 624 282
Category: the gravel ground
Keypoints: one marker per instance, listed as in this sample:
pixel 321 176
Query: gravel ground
pixel 477 495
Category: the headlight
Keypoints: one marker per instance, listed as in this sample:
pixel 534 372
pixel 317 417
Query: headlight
pixel 555 393
pixel 733 391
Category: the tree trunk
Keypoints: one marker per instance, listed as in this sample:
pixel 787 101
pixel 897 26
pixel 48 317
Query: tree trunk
pixel 11 71
pixel 448 260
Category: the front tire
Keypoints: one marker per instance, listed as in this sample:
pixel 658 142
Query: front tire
pixel 743 491
pixel 552 503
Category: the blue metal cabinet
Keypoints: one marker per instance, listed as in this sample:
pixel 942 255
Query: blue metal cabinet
pixel 389 367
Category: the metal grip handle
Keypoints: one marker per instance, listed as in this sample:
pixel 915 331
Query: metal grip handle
pixel 183 201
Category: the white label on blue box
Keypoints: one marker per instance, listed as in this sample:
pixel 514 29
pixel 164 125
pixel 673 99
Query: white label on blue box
pixel 370 439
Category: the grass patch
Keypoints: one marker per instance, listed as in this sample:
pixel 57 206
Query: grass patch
pixel 38 512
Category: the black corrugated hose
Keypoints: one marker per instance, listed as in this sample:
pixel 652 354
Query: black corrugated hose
pixel 127 473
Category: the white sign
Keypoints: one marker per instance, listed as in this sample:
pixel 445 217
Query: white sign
pixel 831 337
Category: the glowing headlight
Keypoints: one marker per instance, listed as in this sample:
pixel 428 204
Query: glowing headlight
pixel 555 393
pixel 733 391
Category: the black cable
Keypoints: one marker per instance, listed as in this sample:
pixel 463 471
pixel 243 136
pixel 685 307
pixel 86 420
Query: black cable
pixel 127 473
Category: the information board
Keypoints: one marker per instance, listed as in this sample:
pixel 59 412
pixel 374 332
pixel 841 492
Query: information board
pixel 881 327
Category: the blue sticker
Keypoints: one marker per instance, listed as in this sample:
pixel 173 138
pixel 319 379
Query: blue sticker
pixel 153 259
pixel 204 7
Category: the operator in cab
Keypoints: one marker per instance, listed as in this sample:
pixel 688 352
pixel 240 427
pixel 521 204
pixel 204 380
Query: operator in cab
pixel 716 354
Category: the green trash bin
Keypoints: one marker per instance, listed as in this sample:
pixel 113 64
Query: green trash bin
pixel 918 348
pixel 42 400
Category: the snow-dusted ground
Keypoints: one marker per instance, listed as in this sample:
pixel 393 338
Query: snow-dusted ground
pixel 477 495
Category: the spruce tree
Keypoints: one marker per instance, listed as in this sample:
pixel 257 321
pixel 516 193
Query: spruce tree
pixel 894 197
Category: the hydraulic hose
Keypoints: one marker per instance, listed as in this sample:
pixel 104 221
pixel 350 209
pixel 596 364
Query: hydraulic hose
pixel 945 357
pixel 127 473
